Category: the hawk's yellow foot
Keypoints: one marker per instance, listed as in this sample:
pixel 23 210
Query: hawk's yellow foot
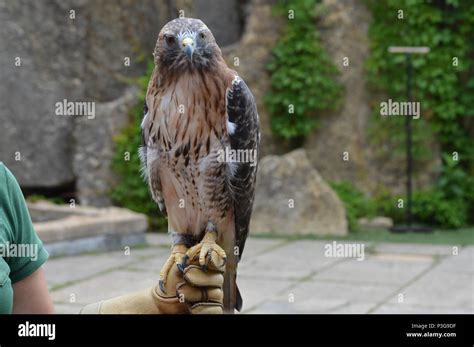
pixel 210 254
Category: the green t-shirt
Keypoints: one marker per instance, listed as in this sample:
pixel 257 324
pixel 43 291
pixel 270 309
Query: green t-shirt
pixel 21 251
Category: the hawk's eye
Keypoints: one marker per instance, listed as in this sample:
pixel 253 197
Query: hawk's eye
pixel 170 40
pixel 202 36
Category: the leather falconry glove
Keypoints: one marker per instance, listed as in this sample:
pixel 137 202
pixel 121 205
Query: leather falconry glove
pixel 188 288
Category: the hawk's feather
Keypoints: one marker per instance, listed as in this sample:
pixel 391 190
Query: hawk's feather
pixel 242 112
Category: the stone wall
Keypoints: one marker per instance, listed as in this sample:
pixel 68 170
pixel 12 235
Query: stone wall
pixel 78 50
pixel 78 56
pixel 51 52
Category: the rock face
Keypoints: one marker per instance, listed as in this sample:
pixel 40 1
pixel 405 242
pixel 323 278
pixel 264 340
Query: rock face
pixel 224 18
pixel 55 50
pixel 293 199
pixel 82 51
pixel 95 148
pixel 39 65
pixel 118 31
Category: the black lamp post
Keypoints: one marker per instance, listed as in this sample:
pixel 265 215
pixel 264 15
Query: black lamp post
pixel 409 226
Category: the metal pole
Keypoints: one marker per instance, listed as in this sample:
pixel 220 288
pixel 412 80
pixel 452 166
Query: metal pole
pixel 409 154
pixel 408 51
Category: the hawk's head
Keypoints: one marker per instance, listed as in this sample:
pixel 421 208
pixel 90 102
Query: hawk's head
pixel 184 44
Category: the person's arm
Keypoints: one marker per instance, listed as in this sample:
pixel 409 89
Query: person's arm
pixel 30 291
pixel 30 295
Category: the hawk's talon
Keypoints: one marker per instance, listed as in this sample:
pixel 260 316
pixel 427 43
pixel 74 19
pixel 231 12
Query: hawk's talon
pixel 183 264
pixel 162 286
pixel 208 258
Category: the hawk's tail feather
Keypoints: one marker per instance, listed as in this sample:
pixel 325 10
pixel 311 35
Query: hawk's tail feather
pixel 239 302
pixel 232 297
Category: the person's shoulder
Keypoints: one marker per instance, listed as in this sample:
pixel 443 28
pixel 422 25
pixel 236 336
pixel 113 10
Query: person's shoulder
pixel 3 173
pixel 7 180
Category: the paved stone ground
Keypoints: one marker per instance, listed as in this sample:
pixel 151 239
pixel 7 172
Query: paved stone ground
pixel 280 276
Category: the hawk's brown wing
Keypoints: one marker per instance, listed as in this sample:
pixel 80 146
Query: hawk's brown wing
pixel 149 138
pixel 242 111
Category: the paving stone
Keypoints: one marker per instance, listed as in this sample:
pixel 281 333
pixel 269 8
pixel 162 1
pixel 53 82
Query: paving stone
pixel 463 262
pixel 66 269
pixel 354 308
pixel 155 260
pixel 326 297
pixel 403 258
pixel 104 287
pixel 148 252
pixel 67 308
pixel 440 289
pixel 402 308
pixel 349 291
pixel 256 246
pixel 315 306
pixel 413 248
pixel 294 260
pixel 256 290
pixel 377 269
pixel 272 269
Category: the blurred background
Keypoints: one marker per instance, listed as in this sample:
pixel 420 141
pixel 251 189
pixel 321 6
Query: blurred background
pixel 318 76
pixel 332 168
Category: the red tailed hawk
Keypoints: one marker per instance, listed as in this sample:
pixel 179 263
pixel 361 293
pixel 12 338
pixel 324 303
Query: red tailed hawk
pixel 199 152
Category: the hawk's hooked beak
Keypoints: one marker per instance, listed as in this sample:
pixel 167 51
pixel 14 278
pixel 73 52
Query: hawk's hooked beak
pixel 188 47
